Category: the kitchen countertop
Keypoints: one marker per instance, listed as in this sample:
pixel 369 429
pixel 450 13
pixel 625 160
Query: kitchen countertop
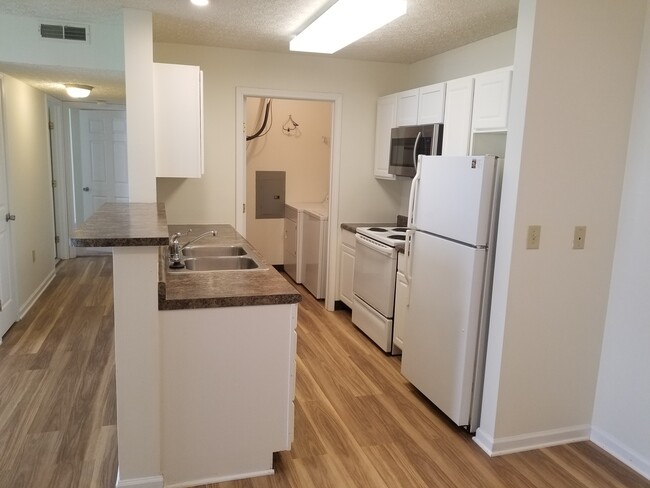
pixel 212 289
pixel 124 224
pixel 145 224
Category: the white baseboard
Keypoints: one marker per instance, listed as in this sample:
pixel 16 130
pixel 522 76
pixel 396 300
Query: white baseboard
pixel 36 295
pixel 621 452
pixel 221 479
pixel 528 442
pixel 148 482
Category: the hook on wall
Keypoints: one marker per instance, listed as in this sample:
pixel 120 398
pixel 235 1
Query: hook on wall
pixel 290 125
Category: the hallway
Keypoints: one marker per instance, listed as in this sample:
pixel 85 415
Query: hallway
pixel 358 422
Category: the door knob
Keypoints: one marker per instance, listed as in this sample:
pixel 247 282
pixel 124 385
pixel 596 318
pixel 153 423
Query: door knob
pixel 85 188
pixel 9 217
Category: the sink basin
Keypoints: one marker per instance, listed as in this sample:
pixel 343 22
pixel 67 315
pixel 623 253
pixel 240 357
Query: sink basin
pixel 219 263
pixel 199 251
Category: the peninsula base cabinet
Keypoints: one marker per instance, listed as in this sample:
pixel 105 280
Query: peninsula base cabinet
pixel 227 387
pixel 346 269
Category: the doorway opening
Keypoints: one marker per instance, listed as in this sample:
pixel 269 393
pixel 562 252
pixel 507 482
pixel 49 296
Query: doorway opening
pixel 291 132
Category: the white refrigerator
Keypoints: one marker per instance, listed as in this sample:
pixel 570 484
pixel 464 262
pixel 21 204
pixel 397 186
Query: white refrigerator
pixel 453 212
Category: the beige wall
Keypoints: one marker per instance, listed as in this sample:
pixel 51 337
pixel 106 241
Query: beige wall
pixel 565 160
pixel 211 199
pixel 304 154
pixel 623 390
pixel 30 190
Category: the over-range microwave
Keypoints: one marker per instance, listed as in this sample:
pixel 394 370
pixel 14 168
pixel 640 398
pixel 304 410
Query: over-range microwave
pixel 407 143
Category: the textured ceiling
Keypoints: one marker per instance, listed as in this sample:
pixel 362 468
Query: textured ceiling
pixel 430 27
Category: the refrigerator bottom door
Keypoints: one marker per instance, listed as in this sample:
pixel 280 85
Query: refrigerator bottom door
pixel 373 324
pixel 440 338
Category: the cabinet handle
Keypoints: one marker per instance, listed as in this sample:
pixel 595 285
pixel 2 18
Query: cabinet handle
pixel 86 188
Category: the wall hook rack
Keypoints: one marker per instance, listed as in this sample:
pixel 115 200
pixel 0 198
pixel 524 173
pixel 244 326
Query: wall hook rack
pixel 290 125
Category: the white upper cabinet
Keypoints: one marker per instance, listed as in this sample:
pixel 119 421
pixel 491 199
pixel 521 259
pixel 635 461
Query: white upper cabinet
pixel 178 124
pixel 431 104
pixel 458 117
pixel 386 120
pixel 491 100
pixel 419 106
pixel 407 107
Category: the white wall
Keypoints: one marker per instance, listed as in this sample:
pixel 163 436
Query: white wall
pixel 621 423
pixel 20 42
pixel 30 189
pixel 211 199
pixel 565 159
pixel 303 154
pixel 484 55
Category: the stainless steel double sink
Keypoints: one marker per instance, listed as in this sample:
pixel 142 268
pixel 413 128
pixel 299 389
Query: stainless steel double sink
pixel 216 258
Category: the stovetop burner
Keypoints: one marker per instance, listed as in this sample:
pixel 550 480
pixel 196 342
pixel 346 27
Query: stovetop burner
pixel 391 236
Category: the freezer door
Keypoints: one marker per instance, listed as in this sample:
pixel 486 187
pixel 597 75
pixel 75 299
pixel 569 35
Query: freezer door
pixel 442 326
pixel 454 197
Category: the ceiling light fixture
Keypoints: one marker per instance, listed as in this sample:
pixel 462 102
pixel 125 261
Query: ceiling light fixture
pixel 345 22
pixel 78 91
pixel 200 3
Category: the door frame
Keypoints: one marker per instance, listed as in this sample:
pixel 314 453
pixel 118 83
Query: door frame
pixel 335 165
pixel 60 191
pixel 68 142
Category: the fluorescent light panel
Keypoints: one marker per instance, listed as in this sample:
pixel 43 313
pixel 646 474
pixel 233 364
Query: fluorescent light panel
pixel 345 22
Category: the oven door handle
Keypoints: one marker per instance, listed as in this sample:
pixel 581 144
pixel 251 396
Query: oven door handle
pixel 374 245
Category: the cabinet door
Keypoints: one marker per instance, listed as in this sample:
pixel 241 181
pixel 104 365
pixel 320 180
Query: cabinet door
pixel 386 113
pixel 407 107
pixel 401 309
pixel 491 100
pixel 177 121
pixel 431 104
pixel 346 273
pixel 291 248
pixel 458 117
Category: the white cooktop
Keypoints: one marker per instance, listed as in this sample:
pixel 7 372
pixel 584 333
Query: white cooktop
pixel 391 235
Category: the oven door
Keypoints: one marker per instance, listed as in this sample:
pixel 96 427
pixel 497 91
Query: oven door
pixel 375 266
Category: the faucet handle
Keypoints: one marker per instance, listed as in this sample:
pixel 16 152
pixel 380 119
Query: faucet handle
pixel 174 237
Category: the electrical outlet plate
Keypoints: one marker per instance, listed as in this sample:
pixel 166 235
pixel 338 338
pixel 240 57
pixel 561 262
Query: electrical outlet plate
pixel 579 235
pixel 534 233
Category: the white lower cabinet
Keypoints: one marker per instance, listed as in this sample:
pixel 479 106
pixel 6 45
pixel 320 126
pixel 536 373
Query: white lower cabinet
pixel 227 385
pixel 346 268
pixel 401 303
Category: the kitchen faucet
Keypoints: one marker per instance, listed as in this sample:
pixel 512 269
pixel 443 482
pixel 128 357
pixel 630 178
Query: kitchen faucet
pixel 176 250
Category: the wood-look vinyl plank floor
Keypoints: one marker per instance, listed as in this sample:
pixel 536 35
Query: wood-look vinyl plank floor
pixel 358 422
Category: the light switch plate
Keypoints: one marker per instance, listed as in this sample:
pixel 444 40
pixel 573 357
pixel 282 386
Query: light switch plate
pixel 534 234
pixel 579 235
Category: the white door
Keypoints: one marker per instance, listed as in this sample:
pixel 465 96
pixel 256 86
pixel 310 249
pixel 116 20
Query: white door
pixel 441 333
pixel 8 292
pixel 103 158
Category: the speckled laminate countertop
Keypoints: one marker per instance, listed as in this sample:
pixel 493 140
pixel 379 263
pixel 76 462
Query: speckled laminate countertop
pixel 124 224
pixel 145 224
pixel 212 289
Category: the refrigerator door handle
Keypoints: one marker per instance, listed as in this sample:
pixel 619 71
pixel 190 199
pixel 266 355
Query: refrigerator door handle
pixel 415 150
pixel 415 185
pixel 410 233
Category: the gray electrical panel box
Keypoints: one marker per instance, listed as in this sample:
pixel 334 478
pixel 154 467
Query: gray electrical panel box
pixel 269 194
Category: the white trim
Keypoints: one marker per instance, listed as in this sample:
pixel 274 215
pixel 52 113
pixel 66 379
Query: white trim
pixel 221 479
pixel 57 143
pixel 528 442
pixel 623 453
pixel 148 482
pixel 36 295
pixel 335 165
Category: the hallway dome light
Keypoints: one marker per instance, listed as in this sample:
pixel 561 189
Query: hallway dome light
pixel 345 22
pixel 78 91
